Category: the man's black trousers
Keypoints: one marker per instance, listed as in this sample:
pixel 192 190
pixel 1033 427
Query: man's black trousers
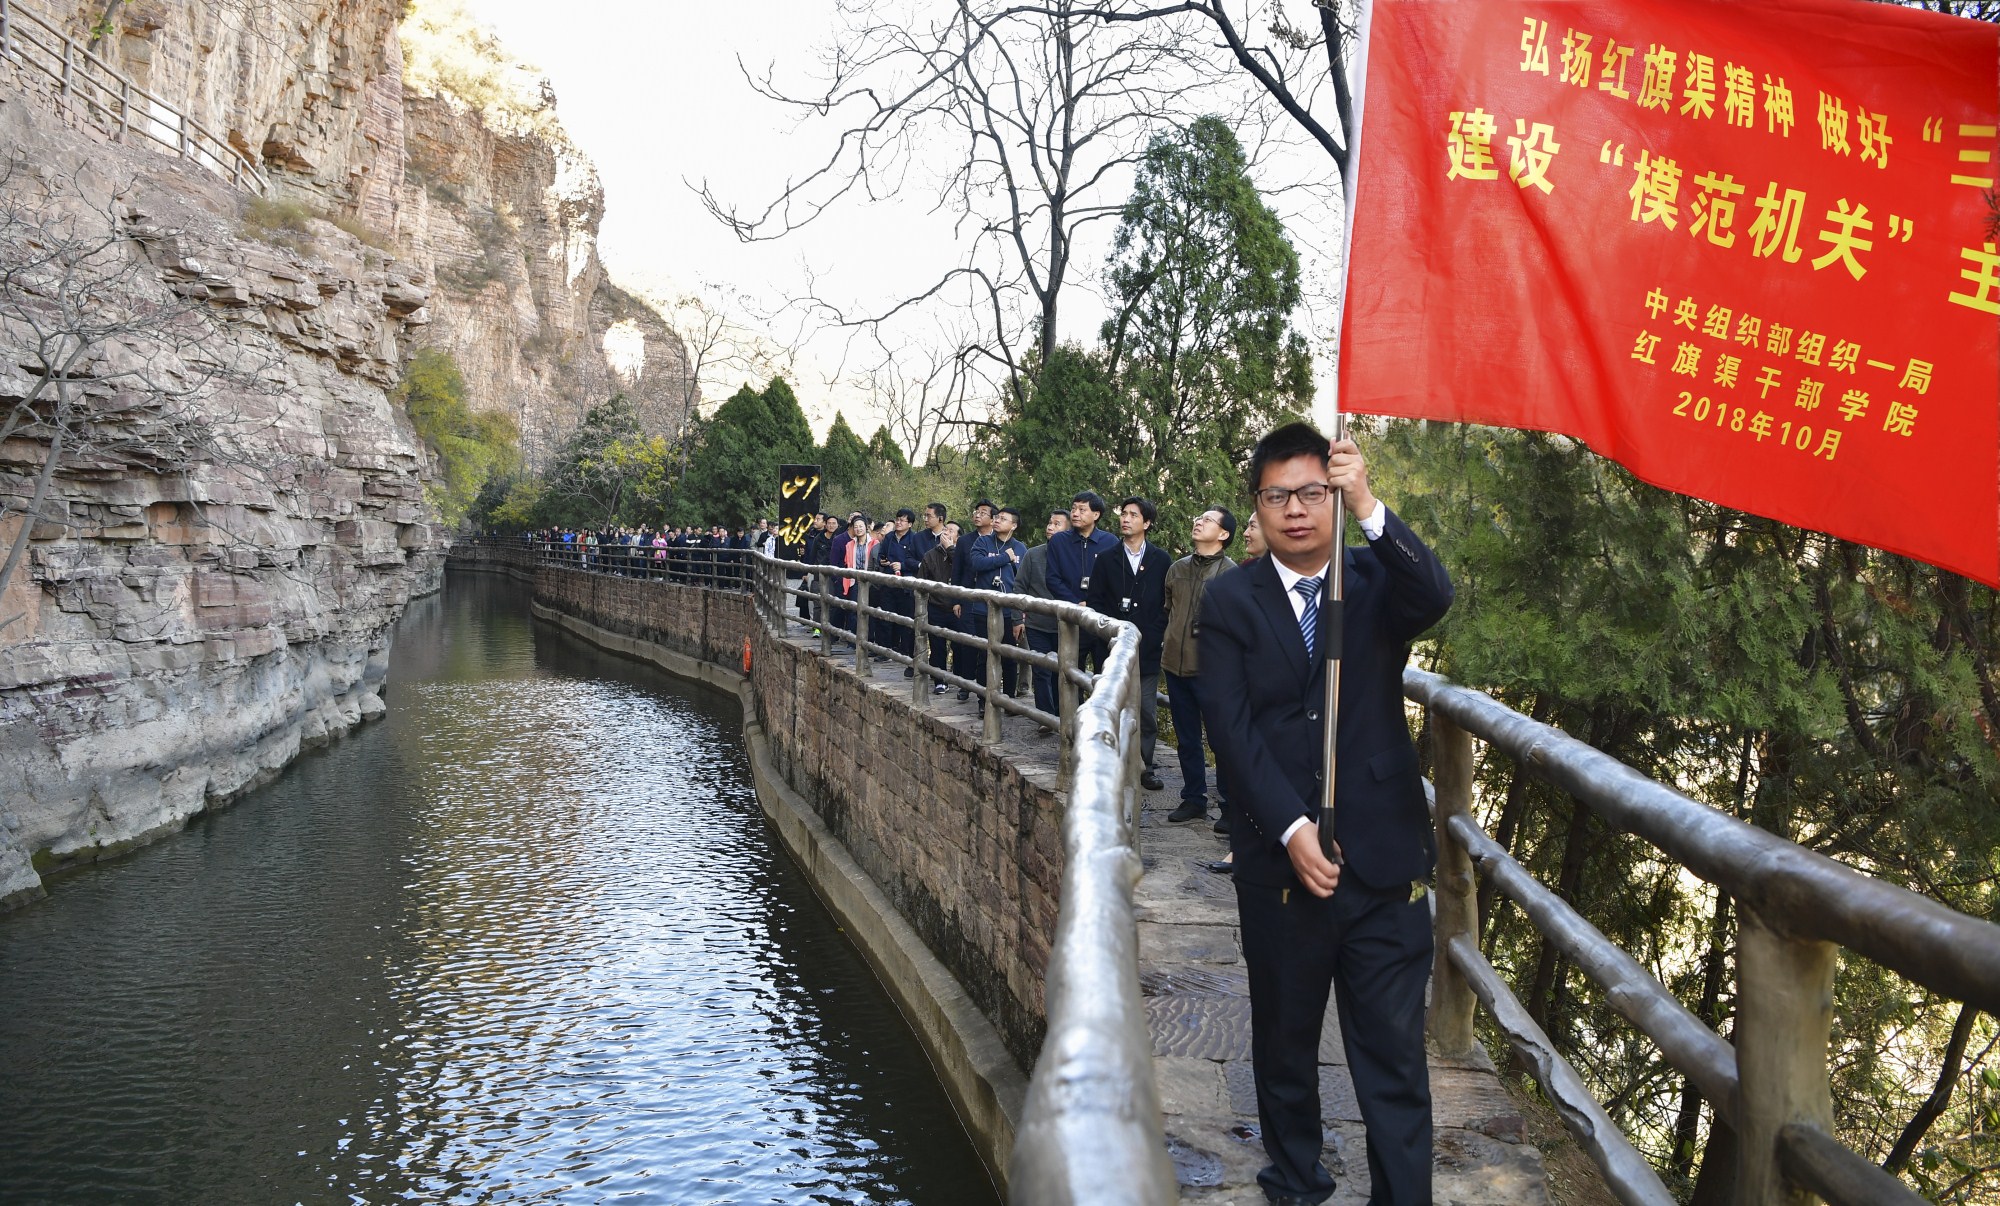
pixel 1045 680
pixel 1374 949
pixel 969 661
pixel 941 620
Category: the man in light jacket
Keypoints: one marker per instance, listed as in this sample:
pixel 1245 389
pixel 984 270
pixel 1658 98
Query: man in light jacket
pixel 1180 659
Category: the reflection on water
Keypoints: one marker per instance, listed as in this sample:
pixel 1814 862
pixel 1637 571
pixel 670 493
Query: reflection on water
pixel 527 938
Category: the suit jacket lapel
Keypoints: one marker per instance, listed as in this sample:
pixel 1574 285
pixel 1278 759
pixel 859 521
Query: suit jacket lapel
pixel 1277 608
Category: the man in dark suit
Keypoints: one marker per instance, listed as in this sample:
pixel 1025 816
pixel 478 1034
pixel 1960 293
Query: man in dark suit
pixel 1129 582
pixel 1264 690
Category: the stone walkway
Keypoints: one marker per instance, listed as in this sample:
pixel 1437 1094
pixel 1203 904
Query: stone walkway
pixel 1191 971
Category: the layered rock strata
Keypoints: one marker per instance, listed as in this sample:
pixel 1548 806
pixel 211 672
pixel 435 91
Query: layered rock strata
pixel 177 637
pixel 181 626
pixel 462 168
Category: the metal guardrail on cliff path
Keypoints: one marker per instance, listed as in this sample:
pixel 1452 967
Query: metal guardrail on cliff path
pixel 106 97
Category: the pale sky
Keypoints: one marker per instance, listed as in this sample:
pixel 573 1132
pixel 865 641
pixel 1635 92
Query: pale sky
pixel 652 92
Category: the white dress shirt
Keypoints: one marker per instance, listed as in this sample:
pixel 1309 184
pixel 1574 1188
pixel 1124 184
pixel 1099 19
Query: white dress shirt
pixel 1372 528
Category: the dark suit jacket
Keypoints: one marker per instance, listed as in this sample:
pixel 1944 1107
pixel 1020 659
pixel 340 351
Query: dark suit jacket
pixel 1263 705
pixel 1112 583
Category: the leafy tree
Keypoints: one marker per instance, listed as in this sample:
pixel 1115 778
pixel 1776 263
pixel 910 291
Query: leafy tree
pixel 586 484
pixel 789 435
pixel 733 476
pixel 521 507
pixel 884 451
pixel 952 476
pixel 472 448
pixel 1051 445
pixel 1199 357
pixel 645 465
pixel 1200 341
pixel 843 459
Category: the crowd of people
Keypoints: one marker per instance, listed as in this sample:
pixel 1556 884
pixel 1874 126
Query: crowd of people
pixel 656 552
pixel 1077 560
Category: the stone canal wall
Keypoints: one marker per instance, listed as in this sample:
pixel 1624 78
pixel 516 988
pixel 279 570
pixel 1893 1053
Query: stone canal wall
pixel 892 809
pixel 515 563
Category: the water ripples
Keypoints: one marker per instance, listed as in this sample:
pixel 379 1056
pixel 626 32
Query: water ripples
pixel 525 940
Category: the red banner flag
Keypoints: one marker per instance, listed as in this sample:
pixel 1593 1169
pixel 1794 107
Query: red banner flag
pixel 1745 250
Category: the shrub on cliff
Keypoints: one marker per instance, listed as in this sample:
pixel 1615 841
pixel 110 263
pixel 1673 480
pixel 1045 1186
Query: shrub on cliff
pixel 280 220
pixel 471 447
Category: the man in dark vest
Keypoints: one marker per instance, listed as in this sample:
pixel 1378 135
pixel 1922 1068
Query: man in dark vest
pixel 814 550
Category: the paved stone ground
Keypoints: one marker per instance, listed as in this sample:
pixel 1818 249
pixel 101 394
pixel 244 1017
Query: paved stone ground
pixel 1191 971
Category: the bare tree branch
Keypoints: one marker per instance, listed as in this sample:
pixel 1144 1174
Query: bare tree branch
pixel 1045 107
pixel 104 369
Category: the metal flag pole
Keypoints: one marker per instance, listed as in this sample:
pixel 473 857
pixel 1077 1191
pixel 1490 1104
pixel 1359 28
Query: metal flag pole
pixel 1332 615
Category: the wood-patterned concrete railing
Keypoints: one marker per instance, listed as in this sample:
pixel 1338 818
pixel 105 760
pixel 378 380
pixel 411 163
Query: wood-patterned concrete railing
pixel 110 100
pixel 1088 1138
pixel 1770 1084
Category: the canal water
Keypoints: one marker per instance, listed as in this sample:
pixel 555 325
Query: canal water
pixel 527 938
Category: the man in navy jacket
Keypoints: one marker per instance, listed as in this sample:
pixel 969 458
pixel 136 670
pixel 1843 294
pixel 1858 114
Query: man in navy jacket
pixel 1370 939
pixel 994 559
pixel 1073 554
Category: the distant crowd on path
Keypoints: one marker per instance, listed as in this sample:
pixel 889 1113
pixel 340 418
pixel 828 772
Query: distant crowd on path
pixel 630 550
pixel 1078 561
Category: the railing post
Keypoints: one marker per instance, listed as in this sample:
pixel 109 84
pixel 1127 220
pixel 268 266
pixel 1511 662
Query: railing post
pixel 1066 643
pixel 68 48
pixel 1128 788
pixel 920 647
pixel 825 616
pixel 124 107
pixel 1452 999
pixel 1784 1013
pixel 6 31
pixel 776 599
pixel 861 627
pixel 996 619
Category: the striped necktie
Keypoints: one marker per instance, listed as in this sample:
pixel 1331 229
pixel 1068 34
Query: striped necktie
pixel 1308 589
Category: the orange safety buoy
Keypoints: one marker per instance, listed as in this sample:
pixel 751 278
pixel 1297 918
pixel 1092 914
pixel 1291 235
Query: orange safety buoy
pixel 746 655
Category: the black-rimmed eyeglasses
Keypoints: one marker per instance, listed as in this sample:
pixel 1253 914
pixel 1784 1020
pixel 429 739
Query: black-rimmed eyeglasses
pixel 1311 494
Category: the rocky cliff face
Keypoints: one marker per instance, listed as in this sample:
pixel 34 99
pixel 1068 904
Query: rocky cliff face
pixel 310 90
pixel 504 216
pixel 184 622
pixel 503 210
pixel 427 132
pixel 178 636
